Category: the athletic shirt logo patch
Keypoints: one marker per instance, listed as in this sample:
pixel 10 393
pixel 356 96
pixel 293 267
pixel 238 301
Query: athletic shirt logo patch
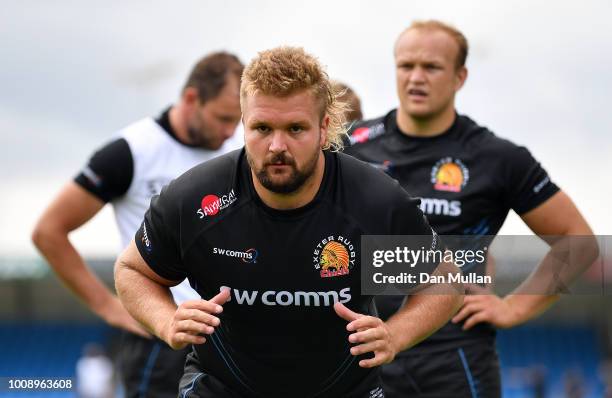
pixel 363 134
pixel 334 256
pixel 212 204
pixel 449 175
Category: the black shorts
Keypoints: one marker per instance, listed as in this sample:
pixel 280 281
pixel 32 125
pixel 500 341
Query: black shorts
pixel 149 368
pixel 196 383
pixel 471 371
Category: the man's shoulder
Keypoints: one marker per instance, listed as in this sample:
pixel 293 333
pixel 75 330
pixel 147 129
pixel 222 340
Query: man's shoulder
pixel 482 139
pixel 144 135
pixel 205 189
pixel 371 197
pixel 368 130
pixel 123 140
pixel 214 174
pixel 146 125
pixel 368 182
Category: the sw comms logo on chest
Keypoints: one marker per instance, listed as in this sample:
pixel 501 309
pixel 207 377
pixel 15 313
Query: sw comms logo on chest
pixel 449 175
pixel 334 256
pixel 247 256
pixel 211 204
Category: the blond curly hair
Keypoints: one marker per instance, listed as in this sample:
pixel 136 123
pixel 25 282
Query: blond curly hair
pixel 284 71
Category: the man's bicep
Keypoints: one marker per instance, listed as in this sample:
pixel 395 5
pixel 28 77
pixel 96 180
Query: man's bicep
pixel 545 220
pixel 526 183
pixel 71 208
pixel 131 259
pixel 109 172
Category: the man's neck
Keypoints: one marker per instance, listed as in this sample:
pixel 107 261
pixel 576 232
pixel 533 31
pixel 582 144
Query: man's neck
pixel 304 195
pixel 425 127
pixel 179 124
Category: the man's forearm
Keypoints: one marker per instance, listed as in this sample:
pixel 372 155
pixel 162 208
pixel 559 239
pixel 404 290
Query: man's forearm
pixel 566 260
pixel 420 317
pixel 427 311
pixel 528 306
pixel 72 270
pixel 147 301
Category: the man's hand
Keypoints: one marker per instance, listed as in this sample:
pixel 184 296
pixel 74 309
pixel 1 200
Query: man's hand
pixel 484 306
pixel 115 314
pixel 373 335
pixel 193 318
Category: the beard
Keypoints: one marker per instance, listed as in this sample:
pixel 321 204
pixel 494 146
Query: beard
pixel 202 135
pixel 287 185
pixel 201 138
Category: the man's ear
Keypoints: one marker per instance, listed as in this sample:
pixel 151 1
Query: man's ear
pixel 324 130
pixel 190 96
pixel 461 77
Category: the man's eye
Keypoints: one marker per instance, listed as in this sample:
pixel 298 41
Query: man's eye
pixel 296 129
pixel 262 129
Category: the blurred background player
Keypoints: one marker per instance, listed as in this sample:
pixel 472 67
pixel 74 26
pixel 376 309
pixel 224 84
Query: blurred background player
pixel 353 112
pixel 127 172
pixel 468 180
pixel 94 373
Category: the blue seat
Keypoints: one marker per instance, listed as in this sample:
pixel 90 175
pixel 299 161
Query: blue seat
pixel 556 349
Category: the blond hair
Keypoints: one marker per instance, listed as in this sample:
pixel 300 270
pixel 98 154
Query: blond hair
pixel 284 71
pixel 353 113
pixel 453 32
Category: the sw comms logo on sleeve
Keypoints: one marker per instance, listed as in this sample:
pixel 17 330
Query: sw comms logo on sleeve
pixel 212 204
pixel 334 256
pixel 449 175
pixel 145 238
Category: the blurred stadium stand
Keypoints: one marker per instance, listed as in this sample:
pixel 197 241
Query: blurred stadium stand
pixel 43 328
pixel 544 359
pixel 49 350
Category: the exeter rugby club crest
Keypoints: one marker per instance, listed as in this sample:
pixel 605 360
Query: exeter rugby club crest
pixel 449 175
pixel 334 256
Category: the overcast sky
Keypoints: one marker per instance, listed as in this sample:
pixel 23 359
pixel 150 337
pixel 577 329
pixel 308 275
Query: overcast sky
pixel 72 73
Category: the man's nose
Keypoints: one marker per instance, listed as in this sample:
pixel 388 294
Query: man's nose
pixel 417 75
pixel 278 142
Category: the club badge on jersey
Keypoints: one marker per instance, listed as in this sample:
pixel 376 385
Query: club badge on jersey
pixel 450 175
pixel 334 256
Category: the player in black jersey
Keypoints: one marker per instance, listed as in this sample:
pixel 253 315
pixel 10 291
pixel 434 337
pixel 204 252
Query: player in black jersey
pixel 468 180
pixel 126 173
pixel 270 237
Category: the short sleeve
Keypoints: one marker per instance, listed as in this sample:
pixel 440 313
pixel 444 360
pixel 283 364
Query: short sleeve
pixel 409 220
pixel 109 172
pixel 528 185
pixel 157 238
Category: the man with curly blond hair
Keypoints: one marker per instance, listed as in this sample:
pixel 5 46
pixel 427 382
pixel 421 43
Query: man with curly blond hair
pixel 252 230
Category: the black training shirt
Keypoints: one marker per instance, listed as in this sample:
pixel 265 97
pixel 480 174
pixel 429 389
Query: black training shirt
pixel 468 179
pixel 279 335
